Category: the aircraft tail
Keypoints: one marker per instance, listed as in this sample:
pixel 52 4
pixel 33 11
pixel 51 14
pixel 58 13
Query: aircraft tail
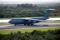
pixel 47 12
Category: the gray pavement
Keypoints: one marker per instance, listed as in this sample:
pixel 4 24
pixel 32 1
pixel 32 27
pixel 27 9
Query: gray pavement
pixel 36 25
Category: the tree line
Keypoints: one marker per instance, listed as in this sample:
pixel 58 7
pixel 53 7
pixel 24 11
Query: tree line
pixel 34 35
pixel 23 10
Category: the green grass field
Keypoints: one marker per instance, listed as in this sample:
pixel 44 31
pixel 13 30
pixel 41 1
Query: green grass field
pixel 26 30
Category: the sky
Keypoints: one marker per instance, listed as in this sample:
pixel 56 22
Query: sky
pixel 28 1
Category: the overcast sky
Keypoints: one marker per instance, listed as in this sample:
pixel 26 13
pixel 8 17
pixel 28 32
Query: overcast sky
pixel 28 1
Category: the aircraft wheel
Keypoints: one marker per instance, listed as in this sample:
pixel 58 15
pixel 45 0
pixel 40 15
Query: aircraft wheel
pixel 15 24
pixel 31 24
pixel 28 24
pixel 25 24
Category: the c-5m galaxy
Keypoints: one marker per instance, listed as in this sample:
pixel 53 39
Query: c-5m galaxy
pixel 31 21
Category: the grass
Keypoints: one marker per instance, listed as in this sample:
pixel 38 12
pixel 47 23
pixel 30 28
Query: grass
pixel 26 30
pixel 4 23
pixel 4 18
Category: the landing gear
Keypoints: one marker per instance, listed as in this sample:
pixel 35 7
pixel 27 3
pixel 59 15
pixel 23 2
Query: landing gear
pixel 15 24
pixel 32 24
pixel 25 24
pixel 29 24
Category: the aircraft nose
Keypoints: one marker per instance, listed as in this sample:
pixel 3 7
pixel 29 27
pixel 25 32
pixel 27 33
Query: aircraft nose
pixel 10 21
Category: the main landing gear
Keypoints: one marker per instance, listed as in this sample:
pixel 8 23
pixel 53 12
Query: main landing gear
pixel 25 24
pixel 28 24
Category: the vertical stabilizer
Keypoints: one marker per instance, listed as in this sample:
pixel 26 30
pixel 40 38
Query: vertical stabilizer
pixel 47 12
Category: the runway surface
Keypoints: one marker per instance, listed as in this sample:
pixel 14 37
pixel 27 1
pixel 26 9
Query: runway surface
pixel 37 25
pixel 49 23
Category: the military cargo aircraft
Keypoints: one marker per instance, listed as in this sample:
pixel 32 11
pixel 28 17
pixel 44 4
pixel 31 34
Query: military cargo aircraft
pixel 31 21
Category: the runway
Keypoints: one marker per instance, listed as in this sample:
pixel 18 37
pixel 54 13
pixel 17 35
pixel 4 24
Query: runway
pixel 48 24
pixel 37 25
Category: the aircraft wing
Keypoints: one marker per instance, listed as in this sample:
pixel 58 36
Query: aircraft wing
pixel 34 19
